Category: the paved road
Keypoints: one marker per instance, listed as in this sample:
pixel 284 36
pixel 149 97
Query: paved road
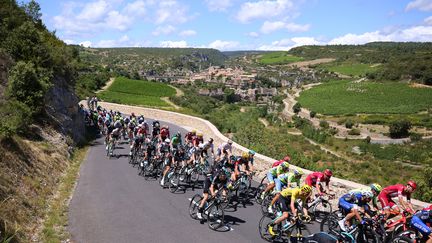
pixel 113 204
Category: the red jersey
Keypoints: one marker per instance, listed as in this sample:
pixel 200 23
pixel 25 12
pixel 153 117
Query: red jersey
pixel 395 191
pixel 196 141
pixel 164 132
pixel 317 177
pixel 189 136
pixel 141 131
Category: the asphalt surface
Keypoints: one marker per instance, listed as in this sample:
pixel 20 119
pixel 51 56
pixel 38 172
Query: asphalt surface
pixel 112 203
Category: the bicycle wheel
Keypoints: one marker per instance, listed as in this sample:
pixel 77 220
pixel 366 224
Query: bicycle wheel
pixel 259 190
pixel 241 191
pixel 148 171
pixel 194 176
pixel 330 225
pixel 215 217
pixel 265 204
pixel 402 239
pixel 263 228
pixel 194 205
pixel 320 210
pixel 174 182
pixel 368 236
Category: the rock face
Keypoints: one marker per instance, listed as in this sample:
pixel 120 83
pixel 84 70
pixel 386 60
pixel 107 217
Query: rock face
pixel 61 104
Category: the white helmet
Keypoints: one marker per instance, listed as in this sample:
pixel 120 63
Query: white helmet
pixel 167 140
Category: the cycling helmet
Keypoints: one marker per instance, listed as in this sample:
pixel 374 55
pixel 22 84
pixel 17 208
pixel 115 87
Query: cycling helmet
pixel 367 194
pixel 298 172
pixel 287 158
pixel 132 114
pixel 230 141
pixel 199 134
pixel 328 173
pixel 232 157
pixel 210 140
pixel 167 140
pixel 284 165
pixel 193 131
pixel 251 152
pixel 412 184
pixel 376 187
pixel 306 189
pixel 245 155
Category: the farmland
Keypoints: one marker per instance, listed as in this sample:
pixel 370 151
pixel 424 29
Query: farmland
pixel 137 92
pixel 346 97
pixel 280 57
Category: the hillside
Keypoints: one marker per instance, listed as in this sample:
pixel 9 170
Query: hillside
pixel 40 122
pixel 153 62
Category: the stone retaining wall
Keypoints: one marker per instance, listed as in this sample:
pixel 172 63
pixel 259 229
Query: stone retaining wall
pixel 262 162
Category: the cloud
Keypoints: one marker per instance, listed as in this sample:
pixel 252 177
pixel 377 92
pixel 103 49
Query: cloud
pixel 422 5
pixel 428 20
pixel 123 41
pixel 223 45
pixel 164 30
pixel 269 27
pixel 264 9
pixel 219 5
pixel 170 11
pixel 252 34
pixel 415 33
pixel 78 20
pixel 171 44
pixel 85 43
pixel 186 33
pixel 286 44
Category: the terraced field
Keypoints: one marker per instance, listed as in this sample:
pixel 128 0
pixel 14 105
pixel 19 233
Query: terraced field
pixel 280 57
pixel 351 69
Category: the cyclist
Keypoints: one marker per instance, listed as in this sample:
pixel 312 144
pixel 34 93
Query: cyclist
pixel 272 174
pixel 375 189
pixel 225 149
pixel 164 149
pixel 287 199
pixel 176 140
pixel 189 136
pixel 387 194
pixel 164 133
pixel 290 179
pixel 351 203
pixel 251 159
pixel 317 178
pixel 156 128
pixel 419 221
pixel 217 181
pixel 240 164
pixel 204 147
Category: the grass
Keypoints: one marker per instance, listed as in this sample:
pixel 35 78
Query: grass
pixel 281 57
pixel 345 97
pixel 137 92
pixel 54 225
pixel 352 69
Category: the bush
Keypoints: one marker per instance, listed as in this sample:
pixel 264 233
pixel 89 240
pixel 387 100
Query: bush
pixel 354 132
pixel 400 129
pixel 324 124
pixel 312 114
pixel 368 139
pixel 297 108
pixel 349 124
pixel 415 137
pixel 14 116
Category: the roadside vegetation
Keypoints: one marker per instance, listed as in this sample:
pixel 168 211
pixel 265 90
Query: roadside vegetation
pixel 348 97
pixel 351 69
pixel 137 92
pixel 280 57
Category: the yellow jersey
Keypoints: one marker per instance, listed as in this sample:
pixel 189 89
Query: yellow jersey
pixel 294 194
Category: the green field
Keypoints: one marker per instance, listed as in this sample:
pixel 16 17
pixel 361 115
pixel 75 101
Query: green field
pixel 280 57
pixel 352 69
pixel 137 92
pixel 345 97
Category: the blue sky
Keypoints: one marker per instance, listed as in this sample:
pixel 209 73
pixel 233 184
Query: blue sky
pixel 237 24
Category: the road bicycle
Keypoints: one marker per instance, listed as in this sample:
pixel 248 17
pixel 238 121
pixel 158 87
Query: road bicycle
pixel 213 210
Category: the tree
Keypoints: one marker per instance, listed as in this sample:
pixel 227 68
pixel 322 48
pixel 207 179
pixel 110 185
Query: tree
pixel 297 108
pixel 400 129
pixel 33 10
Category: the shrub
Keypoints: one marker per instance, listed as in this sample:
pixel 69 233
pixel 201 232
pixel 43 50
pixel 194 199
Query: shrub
pixel 368 139
pixel 297 108
pixel 312 114
pixel 400 129
pixel 415 137
pixel 349 124
pixel 14 116
pixel 324 124
pixel 354 132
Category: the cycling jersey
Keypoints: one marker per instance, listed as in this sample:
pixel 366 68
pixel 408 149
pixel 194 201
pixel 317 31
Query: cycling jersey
pixel 276 171
pixel 117 124
pixel 175 141
pixel 164 132
pixel 189 136
pixel 386 195
pixel 366 189
pixel 286 178
pixel 420 219
pixel 224 147
pixel 316 178
pixel 352 200
pixel 293 194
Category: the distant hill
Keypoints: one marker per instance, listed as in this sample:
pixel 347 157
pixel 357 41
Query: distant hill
pixel 243 53
pixel 399 60
pixel 154 61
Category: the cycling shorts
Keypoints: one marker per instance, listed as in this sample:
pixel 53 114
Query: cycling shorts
pixel 270 178
pixel 285 202
pixel 419 225
pixel 386 201
pixel 347 206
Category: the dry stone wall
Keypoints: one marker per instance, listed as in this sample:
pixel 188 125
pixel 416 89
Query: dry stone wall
pixel 262 162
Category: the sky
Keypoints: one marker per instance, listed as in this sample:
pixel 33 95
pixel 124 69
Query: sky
pixel 236 24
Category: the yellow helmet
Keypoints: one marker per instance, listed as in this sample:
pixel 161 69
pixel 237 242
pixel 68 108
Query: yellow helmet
pixel 245 155
pixel 306 189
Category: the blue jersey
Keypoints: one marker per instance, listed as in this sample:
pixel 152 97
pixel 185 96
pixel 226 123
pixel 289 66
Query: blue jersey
pixel 354 198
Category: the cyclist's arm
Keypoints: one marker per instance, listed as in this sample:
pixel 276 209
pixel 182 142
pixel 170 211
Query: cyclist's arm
pixel 292 206
pixel 212 190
